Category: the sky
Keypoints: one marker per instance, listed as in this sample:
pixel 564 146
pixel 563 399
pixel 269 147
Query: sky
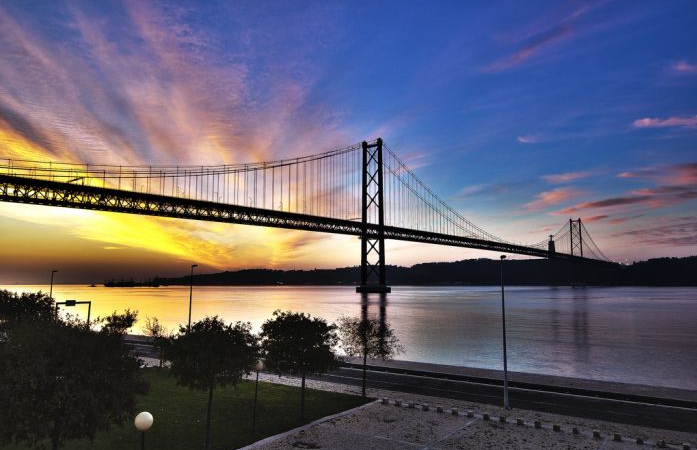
pixel 518 114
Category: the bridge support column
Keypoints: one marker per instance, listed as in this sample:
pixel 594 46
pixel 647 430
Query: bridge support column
pixel 373 246
pixel 576 237
pixel 550 247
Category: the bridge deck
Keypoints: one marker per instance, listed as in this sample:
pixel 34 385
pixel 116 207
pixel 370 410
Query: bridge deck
pixel 51 193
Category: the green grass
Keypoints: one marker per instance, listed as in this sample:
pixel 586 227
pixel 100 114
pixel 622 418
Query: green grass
pixel 180 415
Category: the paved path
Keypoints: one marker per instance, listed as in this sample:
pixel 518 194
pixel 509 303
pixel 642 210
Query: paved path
pixel 581 404
pixel 412 426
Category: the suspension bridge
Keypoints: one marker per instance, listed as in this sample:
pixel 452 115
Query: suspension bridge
pixel 364 190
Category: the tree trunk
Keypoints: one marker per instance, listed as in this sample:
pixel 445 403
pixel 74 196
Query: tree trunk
pixel 55 435
pixel 302 397
pixel 208 418
pixel 365 362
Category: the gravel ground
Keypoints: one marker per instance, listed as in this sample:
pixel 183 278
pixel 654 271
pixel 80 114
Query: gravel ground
pixel 379 426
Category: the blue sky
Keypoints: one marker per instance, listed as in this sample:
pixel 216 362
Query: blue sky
pixel 520 114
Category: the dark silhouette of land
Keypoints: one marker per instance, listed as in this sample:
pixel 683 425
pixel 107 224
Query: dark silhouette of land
pixel 535 272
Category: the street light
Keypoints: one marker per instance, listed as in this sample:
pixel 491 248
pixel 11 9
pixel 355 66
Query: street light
pixel 50 292
pixel 143 422
pixel 505 361
pixel 191 290
pixel 259 367
pixel 75 302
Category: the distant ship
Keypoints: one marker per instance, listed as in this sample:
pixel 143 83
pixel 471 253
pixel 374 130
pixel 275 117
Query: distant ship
pixel 130 283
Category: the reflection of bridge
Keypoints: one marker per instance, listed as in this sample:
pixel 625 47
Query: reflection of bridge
pixel 364 190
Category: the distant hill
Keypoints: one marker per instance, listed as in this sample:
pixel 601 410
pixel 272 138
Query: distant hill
pixel 654 272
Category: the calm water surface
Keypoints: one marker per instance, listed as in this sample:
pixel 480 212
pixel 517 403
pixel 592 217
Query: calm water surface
pixel 635 335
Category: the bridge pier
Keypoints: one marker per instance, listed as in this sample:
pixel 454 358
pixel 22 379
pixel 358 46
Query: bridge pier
pixel 373 278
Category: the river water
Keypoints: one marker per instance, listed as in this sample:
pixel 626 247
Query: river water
pixel 626 334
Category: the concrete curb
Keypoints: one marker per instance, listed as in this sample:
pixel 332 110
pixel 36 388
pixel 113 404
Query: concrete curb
pixel 279 436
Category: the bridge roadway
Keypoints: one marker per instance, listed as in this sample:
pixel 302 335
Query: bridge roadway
pixel 51 193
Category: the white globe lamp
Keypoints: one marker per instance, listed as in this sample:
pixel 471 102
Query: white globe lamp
pixel 143 422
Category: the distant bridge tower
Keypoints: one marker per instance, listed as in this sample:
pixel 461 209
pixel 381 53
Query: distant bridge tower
pixel 550 246
pixel 576 237
pixel 372 207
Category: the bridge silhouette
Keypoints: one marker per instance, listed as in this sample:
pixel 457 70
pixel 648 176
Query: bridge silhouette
pixel 364 190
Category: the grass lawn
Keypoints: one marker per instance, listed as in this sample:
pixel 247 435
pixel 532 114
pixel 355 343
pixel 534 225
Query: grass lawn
pixel 180 415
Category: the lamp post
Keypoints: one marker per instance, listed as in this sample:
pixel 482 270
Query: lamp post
pixel 75 302
pixel 505 360
pixel 50 292
pixel 259 367
pixel 143 422
pixel 191 290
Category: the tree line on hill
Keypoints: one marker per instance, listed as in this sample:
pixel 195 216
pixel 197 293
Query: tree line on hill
pixel 536 272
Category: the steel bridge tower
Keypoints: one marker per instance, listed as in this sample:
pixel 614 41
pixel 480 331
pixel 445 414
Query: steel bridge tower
pixel 372 204
pixel 576 236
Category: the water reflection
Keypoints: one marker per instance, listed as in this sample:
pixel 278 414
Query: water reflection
pixel 640 335
pixel 580 325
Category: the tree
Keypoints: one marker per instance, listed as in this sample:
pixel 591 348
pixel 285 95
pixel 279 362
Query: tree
pixel 61 381
pixel 118 324
pixel 209 354
pixel 296 343
pixel 159 333
pixel 368 337
pixel 25 306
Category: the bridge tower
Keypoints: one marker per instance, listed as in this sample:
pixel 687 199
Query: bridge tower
pixel 550 246
pixel 372 208
pixel 576 236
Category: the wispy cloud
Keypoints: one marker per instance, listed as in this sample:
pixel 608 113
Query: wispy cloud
pixel 165 92
pixel 683 68
pixel 550 198
pixel 565 177
pixel 528 139
pixel 605 203
pixel 652 122
pixel 531 48
pixel 675 184
pixel 597 218
pixel 684 174
pixel 679 231
pixel 652 200
pixel 621 220
pixel 541 37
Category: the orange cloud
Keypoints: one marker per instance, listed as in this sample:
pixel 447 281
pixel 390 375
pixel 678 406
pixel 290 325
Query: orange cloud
pixel 159 96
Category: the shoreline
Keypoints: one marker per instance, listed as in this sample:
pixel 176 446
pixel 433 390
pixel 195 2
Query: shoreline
pixel 142 344
pixel 614 387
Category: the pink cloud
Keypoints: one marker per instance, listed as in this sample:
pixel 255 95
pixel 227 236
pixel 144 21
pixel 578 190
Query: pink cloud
pixel 683 68
pixel 553 197
pixel 606 203
pixel 595 218
pixel 675 175
pixel 649 122
pixel 565 177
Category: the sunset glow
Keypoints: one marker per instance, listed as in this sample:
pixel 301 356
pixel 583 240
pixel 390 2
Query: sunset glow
pixel 547 112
